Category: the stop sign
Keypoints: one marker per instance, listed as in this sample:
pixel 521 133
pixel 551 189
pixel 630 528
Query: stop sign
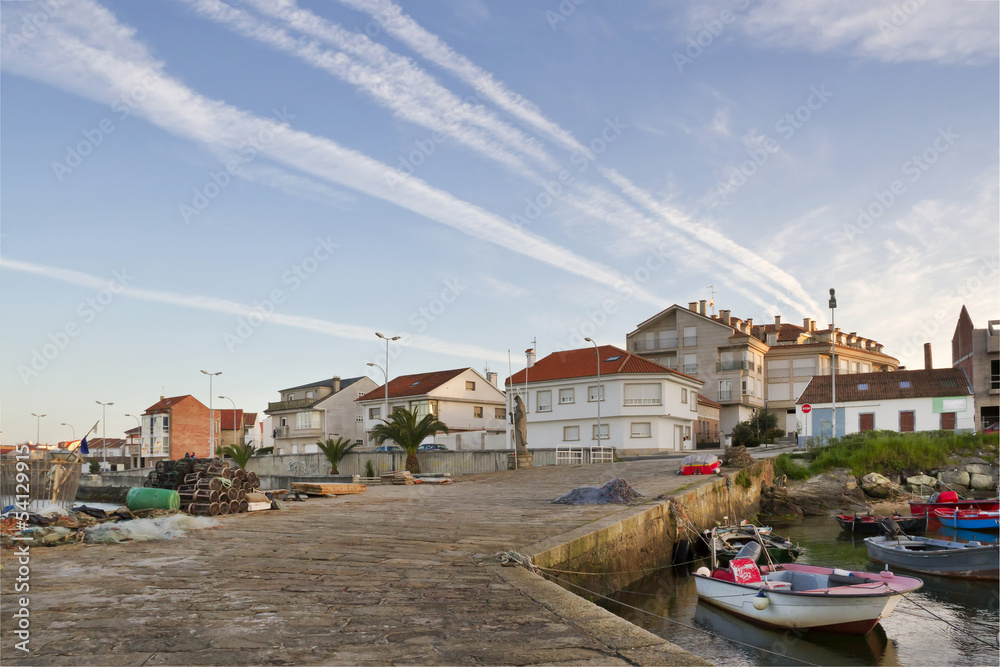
pixel 806 408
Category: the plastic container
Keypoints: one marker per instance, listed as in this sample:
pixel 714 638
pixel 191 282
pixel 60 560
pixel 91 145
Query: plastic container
pixel 141 498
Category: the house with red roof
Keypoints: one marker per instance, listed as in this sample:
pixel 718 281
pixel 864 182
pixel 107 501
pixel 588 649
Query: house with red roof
pixel 904 401
pixel 472 406
pixel 643 407
pixel 175 426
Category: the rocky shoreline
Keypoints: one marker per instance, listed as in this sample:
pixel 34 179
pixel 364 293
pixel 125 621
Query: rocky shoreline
pixel 839 490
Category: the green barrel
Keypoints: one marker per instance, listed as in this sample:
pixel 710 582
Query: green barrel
pixel 141 498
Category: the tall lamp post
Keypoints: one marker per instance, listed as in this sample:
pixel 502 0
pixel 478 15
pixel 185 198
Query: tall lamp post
pixel 833 362
pixel 72 430
pixel 600 393
pixel 138 423
pixel 235 427
pixel 104 430
pixel 386 376
pixel 38 427
pixel 387 340
pixel 211 414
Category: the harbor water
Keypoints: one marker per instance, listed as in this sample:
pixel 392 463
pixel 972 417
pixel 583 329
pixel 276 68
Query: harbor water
pixel 947 622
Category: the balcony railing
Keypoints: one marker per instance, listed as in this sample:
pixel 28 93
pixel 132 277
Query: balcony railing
pixel 736 365
pixel 651 346
pixel 282 432
pixel 642 401
pixel 290 405
pixel 690 341
pixel 726 395
pixel 690 370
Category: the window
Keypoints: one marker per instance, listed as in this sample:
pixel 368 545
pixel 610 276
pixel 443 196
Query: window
pixel 374 413
pixel 291 397
pixel 778 391
pixel 994 374
pixel 694 402
pixel 904 384
pixel 866 421
pixel 566 396
pixel 477 411
pixel 643 394
pixel 571 433
pixel 690 336
pixel 803 367
pixel 544 400
pixel 500 413
pixel 862 386
pixel 614 358
pixel 690 364
pixel 668 339
pixel 947 421
pixel 604 434
pixel 906 421
pixel 595 393
pixel 725 390
pixel 670 362
pixel 307 420
pixel 470 386
pixel 309 394
pixel 165 423
pixel 747 386
pixel 423 408
pixel 684 395
pixel 687 432
pixel 640 429
pixel 778 369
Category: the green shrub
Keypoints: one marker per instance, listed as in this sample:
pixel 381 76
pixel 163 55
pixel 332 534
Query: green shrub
pixel 369 468
pixel 785 465
pixel 95 467
pixel 742 479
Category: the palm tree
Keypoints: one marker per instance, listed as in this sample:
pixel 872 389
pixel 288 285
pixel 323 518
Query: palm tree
pixel 241 454
pixel 405 430
pixel 335 451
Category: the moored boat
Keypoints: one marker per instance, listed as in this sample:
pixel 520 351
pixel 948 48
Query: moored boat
pixel 804 597
pixel 869 525
pixel 727 541
pixel 949 500
pixel 968 519
pixel 700 464
pixel 969 560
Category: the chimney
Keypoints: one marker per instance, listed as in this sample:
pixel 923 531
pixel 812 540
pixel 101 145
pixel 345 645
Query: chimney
pixel 724 316
pixel 693 306
pixel 336 383
pixel 491 377
pixel 777 320
pixel 701 306
pixel 530 353
pixel 928 364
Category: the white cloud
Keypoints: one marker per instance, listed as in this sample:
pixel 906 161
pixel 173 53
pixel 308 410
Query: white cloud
pixel 914 30
pixel 720 123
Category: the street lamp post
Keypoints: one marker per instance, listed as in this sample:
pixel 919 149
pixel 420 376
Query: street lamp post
pixel 386 339
pixel 38 427
pixel 211 414
pixel 386 376
pixel 833 363
pixel 104 430
pixel 240 427
pixel 600 393
pixel 138 423
pixel 73 430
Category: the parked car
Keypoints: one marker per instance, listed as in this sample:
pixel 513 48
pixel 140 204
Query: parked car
pixel 432 447
pixel 388 448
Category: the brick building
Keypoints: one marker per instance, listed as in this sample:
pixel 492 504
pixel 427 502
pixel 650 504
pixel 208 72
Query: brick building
pixel 175 426
pixel 977 353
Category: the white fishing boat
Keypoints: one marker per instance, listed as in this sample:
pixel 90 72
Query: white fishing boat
pixel 804 597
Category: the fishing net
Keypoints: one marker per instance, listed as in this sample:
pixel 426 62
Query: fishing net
pixel 616 491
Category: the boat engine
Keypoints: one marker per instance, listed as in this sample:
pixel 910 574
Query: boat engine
pixel 750 550
pixel 890 528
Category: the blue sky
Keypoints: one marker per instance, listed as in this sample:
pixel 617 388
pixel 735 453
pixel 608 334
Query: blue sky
pixel 257 187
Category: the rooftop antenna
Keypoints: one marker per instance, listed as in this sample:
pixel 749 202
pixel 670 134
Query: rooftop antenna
pixel 711 302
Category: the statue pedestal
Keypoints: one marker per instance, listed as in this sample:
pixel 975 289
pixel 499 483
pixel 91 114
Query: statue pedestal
pixel 522 461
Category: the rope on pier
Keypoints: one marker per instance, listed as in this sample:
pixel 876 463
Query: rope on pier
pixel 511 558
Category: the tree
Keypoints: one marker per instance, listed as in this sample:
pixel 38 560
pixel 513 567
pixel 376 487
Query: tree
pixel 335 451
pixel 405 430
pixel 241 454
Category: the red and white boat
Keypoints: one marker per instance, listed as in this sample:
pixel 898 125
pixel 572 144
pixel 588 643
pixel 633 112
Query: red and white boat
pixel 949 500
pixel 700 464
pixel 804 597
pixel 969 519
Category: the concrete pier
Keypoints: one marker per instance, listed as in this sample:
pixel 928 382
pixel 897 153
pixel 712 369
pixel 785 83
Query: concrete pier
pixel 400 574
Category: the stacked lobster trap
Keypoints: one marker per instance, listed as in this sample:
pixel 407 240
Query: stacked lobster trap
pixel 209 487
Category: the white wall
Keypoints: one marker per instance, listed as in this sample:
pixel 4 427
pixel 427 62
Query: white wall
pixel 887 415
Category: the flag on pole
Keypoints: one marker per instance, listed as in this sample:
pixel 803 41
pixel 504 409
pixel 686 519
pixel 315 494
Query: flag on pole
pixel 83 443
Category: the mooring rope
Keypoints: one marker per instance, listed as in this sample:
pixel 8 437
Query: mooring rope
pixel 511 558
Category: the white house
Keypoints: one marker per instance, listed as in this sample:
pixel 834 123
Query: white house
pixel 644 407
pixel 903 401
pixel 471 406
pixel 317 411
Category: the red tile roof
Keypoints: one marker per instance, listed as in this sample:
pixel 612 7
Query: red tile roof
pixel 583 363
pixel 786 331
pixel 165 404
pixel 886 386
pixel 709 402
pixel 413 385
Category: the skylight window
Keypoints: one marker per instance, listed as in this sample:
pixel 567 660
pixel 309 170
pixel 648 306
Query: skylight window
pixel 415 383
pixel 614 358
pixel 904 384
pixel 949 383
pixel 863 386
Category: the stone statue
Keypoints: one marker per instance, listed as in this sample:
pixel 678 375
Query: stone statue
pixel 520 427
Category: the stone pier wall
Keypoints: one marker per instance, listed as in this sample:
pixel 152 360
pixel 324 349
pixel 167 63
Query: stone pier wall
pixel 621 551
